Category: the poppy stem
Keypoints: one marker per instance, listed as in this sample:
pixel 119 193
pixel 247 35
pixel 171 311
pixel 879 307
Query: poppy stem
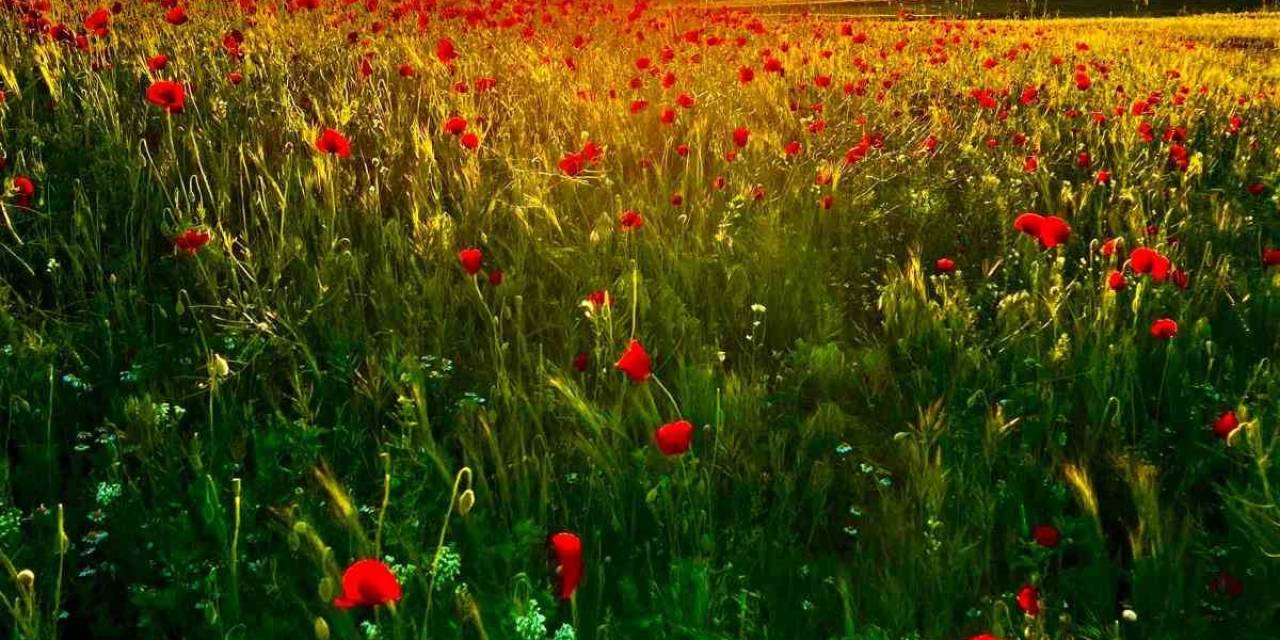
pixel 635 297
pixel 668 394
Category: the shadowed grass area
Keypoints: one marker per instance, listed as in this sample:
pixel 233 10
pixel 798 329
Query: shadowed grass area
pixel 240 351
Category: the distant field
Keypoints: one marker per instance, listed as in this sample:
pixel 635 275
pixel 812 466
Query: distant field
pixel 594 320
pixel 1078 8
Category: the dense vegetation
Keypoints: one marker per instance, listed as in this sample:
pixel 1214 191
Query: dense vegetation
pixel 583 319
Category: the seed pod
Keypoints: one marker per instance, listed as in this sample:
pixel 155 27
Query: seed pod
pixel 466 501
pixel 322 629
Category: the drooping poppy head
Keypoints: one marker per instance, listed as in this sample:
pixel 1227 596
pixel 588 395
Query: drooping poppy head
pixel 367 583
pixel 191 241
pixel 471 259
pixel 635 362
pixel 566 551
pixel 167 95
pixel 674 438
pixel 333 143
pixel 1046 535
pixel 1029 600
pixel 1164 329
pixel 1226 424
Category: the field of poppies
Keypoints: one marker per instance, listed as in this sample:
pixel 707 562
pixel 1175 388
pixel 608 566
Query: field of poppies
pixel 521 319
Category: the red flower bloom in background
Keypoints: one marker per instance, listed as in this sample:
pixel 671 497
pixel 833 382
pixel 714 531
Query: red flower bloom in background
pixel 1226 424
pixel 446 52
pixel 630 220
pixel 176 16
pixel 495 277
pixel 367 583
pixel 26 190
pixel 945 265
pixel 333 143
pixel 1116 281
pixel 1029 600
pixel 469 140
pixel 471 259
pixel 635 362
pixel 191 241
pixel 567 549
pixel 1046 535
pixel 1164 329
pixel 1050 231
pixel 98 22
pixel 581 361
pixel 1271 257
pixel 167 95
pixel 674 438
pixel 741 136
pixel 157 63
pixel 1225 584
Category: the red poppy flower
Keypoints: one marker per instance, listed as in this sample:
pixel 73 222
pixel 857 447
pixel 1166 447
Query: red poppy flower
pixel 630 220
pixel 1030 164
pixel 98 22
pixel 945 265
pixel 167 95
pixel 1164 329
pixel 471 258
pixel 469 140
pixel 985 636
pixel 826 201
pixel 333 143
pixel 1116 281
pixel 1179 157
pixel 405 70
pixel 581 361
pixel 1050 231
pixel 1029 600
pixel 567 549
pixel 1103 177
pixel 157 63
pixel 635 362
pixel 235 77
pixel 446 52
pixel 741 136
pixel 674 438
pixel 792 148
pixel 26 190
pixel 176 16
pixel 495 277
pixel 1257 188
pixel 1046 535
pixel 1271 257
pixel 1226 424
pixel 367 583
pixel 598 299
pixel 1225 584
pixel 191 241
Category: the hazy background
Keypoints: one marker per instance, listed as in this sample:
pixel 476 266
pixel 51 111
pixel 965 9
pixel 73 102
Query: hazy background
pixel 1016 7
